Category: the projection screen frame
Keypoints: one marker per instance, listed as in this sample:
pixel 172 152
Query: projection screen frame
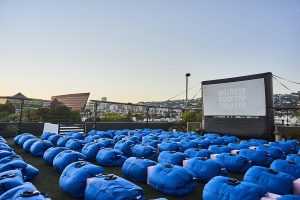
pixel 244 126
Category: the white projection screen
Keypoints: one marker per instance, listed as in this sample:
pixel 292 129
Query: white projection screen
pixel 239 98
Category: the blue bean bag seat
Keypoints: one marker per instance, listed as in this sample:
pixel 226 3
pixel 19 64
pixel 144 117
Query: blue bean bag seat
pixel 4 146
pixel 27 191
pixel 216 141
pixel 125 146
pixel 17 137
pixel 109 143
pixel 91 132
pixel 258 157
pixel 27 145
pixel 64 158
pixel 293 158
pixel 271 180
pixel 73 178
pixel 111 187
pixel 118 138
pixel 50 154
pixel 229 139
pixel 234 163
pixel 204 144
pixel 217 149
pixel 54 138
pixel 145 151
pixel 287 167
pixel 10 158
pixel 172 157
pixel 28 171
pixel 136 168
pixel 197 152
pixel 187 144
pixel 104 134
pixel 259 141
pixel 205 169
pixel 10 179
pixel 293 143
pixel 78 136
pixel 91 138
pixel 110 157
pixel 224 188
pixel 289 197
pixel 24 138
pixel 4 153
pixel 75 144
pixel 274 152
pixel 284 146
pixel 91 149
pixel 149 138
pixel 46 135
pixel 168 146
pixel 253 143
pixel 39 147
pixel 61 142
pixel 238 146
pixel 172 180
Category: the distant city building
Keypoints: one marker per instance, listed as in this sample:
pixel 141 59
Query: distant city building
pixel 74 101
pixel 104 99
pixel 28 103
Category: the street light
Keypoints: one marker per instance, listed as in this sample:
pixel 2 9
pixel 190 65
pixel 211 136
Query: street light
pixel 187 75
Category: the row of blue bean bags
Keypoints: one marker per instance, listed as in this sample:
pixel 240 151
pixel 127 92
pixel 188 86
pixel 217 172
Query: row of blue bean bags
pixel 75 172
pixel 13 174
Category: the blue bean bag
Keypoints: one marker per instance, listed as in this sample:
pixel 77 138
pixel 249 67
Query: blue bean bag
pixel 187 144
pixel 258 157
pixel 104 134
pixel 293 143
pixel 205 169
pixel 253 143
pixel 78 136
pixel 172 180
pixel 109 143
pixel 39 147
pixel 91 138
pixel 234 163
pixel 229 139
pixel 46 135
pixel 152 143
pixel 64 158
pixel 4 146
pixel 293 158
pixel 27 145
pixel 91 132
pixel 124 146
pixel 61 142
pixel 284 146
pixel 111 187
pixel 50 154
pixel 118 138
pixel 28 171
pixel 271 180
pixel 197 152
pixel 259 141
pixel 75 144
pixel 90 150
pixel 216 141
pixel 110 157
pixel 287 167
pixel 10 158
pixel 238 146
pixel 24 138
pixel 136 168
pixel 204 144
pixel 168 146
pixel 10 179
pixel 172 157
pixel 145 151
pixel 224 188
pixel 17 137
pixel 27 191
pixel 54 138
pixel 217 149
pixel 274 152
pixel 289 197
pixel 73 178
pixel 4 153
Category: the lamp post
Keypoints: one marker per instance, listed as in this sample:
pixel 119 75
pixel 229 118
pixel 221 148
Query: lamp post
pixel 187 75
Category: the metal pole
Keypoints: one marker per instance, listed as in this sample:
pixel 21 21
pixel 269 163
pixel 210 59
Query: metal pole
pixel 186 94
pixel 147 117
pixel 21 115
pixel 95 114
pixel 287 117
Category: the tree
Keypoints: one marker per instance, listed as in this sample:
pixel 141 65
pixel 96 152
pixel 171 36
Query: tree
pixel 6 110
pixel 115 117
pixel 192 116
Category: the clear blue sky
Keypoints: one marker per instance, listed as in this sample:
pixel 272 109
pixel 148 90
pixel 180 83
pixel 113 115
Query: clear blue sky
pixel 137 50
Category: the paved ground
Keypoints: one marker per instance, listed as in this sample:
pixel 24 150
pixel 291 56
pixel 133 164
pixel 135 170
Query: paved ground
pixel 48 178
